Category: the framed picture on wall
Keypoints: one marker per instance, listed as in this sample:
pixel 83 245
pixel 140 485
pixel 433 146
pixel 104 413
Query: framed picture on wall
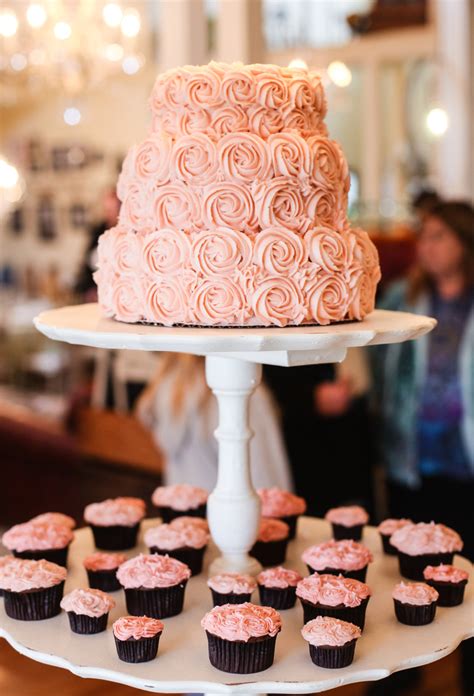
pixel 47 227
pixel 17 221
pixel 78 216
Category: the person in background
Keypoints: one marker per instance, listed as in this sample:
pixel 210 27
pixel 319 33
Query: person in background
pixel 423 203
pixel 180 411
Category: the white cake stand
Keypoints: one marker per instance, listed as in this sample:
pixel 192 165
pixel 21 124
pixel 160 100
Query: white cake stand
pixel 233 370
pixel 183 666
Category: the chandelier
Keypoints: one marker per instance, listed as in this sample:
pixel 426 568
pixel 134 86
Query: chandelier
pixel 69 45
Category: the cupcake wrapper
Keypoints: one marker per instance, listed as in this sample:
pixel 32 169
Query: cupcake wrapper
pixel 238 657
pixel 135 651
pixel 412 567
pixel 105 580
pixel 168 514
pixel 387 546
pixel 451 594
pixel 58 556
pixel 339 532
pixel 276 597
pixel 292 522
pixel 158 603
pixel 360 574
pixel 192 557
pixel 355 615
pixel 34 605
pixel 87 625
pixel 219 598
pixel 270 553
pixel 413 615
pixel 115 537
pixel 333 656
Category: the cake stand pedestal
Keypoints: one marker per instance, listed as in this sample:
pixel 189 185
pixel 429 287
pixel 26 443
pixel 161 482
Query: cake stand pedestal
pixel 233 370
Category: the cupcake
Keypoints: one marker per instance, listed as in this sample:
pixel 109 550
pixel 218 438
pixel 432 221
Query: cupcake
pixel 347 522
pixel 449 582
pixel 423 544
pixel 282 505
pixel 345 557
pixel 180 499
pixel 277 587
pixel 32 589
pixel 55 518
pixel 7 563
pixel 115 522
pixel 38 540
pixel 272 542
pixel 330 595
pixel 386 529
pixel 415 603
pixel 231 588
pixel 101 568
pixel 184 520
pixel 187 543
pixel 137 638
pixel 241 637
pixel 87 610
pixel 331 641
pixel 154 585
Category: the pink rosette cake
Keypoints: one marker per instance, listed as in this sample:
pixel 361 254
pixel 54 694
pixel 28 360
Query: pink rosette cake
pixel 115 522
pixel 231 588
pixel 423 544
pixel 283 505
pixel 180 499
pixel 415 603
pixel 32 589
pixel 345 557
pixel 336 596
pixel 241 637
pixel 87 610
pixel 137 638
pixel 386 529
pixel 277 587
pixel 187 542
pixel 101 568
pixel 154 585
pixel 272 542
pixel 39 540
pixel 347 522
pixel 54 518
pixel 234 208
pixel 449 581
pixel 331 641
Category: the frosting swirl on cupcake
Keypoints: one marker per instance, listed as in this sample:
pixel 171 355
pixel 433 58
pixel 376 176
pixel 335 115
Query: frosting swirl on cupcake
pixel 242 621
pixel 279 503
pixel 35 536
pixel 232 583
pixel 339 555
pixel 151 571
pixel 185 521
pixel 180 496
pixel 416 593
pixel 445 573
pixel 272 530
pixel 136 627
pixel 279 578
pixel 324 630
pixel 390 525
pixel 125 512
pixel 27 575
pixel 332 591
pixel 54 518
pixel 347 516
pixel 87 602
pixel 423 538
pixel 100 560
pixel 167 538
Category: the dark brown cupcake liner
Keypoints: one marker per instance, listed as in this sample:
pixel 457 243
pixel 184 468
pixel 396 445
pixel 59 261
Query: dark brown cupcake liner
pixel 340 532
pixel 270 553
pixel 354 615
pixel 135 651
pixel 360 574
pixel 387 546
pixel 168 514
pixel 292 522
pixel 193 558
pixel 115 537
pixel 105 580
pixel 87 625
pixel 219 598
pixel 157 603
pixel 414 615
pixel 333 656
pixel 34 605
pixel 58 556
pixel 238 657
pixel 277 597
pixel 451 594
pixel 412 567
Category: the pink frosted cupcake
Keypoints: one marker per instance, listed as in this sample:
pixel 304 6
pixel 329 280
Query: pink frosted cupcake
pixel 231 588
pixel 180 499
pixel 55 518
pixel 347 522
pixel 331 641
pixel 386 529
pixel 345 557
pixel 101 568
pixel 282 505
pixel 415 603
pixel 137 638
pixel 32 589
pixel 336 596
pixel 183 521
pixel 272 542
pixel 449 582
pixel 186 542
pixel 241 637
pixel 87 610
pixel 7 563
pixel 37 540
pixel 277 587
pixel 420 545
pixel 154 585
pixel 115 522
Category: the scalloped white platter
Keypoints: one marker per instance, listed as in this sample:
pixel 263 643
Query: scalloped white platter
pixel 182 664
